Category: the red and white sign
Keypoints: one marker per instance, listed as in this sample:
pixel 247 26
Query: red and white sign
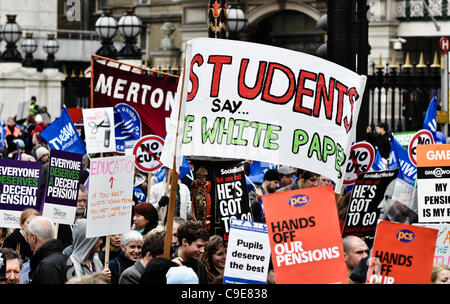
pixel 444 44
pixel 148 151
pixel 362 155
pixel 422 137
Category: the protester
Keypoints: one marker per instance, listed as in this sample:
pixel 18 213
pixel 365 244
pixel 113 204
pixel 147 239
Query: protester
pixel 306 179
pixel 440 274
pixel 181 275
pixel 270 184
pixel 33 108
pixel 159 199
pixel 45 115
pixel 82 202
pixel 84 258
pixel 152 247
pixel 355 250
pixel 3 235
pixel 37 142
pixel 286 175
pixel 11 128
pixel 324 181
pixel 145 218
pixel 177 221
pixel 380 139
pixel 48 264
pixel 40 125
pixel 214 257
pixel 10 266
pixel 131 245
pixel 85 171
pixel 42 155
pixel 18 239
pixel 114 248
pixel 192 238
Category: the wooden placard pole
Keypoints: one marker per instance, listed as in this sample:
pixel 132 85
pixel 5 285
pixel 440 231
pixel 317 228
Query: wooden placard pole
pixel 107 247
pixel 174 179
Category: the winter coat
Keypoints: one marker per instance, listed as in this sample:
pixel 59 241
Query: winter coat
pixel 48 264
pixel 156 270
pixel 17 241
pixel 118 266
pixel 81 248
pixel 132 274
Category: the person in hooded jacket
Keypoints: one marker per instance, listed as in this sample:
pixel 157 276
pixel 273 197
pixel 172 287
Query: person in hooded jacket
pixel 84 258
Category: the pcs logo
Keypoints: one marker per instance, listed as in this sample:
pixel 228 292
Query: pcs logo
pixel 298 200
pixel 405 236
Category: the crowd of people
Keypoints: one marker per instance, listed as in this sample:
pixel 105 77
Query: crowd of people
pixel 40 252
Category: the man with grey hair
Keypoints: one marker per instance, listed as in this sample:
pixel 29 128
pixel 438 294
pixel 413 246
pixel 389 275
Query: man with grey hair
pixel 48 263
pixel 355 249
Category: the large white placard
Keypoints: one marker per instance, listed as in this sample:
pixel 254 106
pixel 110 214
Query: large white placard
pixel 110 196
pixel 252 101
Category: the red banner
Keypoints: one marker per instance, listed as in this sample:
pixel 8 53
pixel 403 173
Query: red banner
pixel 151 94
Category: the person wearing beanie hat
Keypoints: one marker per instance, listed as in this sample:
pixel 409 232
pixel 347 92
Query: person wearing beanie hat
pixel 270 184
pixel 181 275
pixel 42 154
pixel 145 218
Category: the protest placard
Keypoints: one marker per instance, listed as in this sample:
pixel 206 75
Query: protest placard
pixel 442 251
pixel 232 196
pixel 234 89
pixel 61 193
pixel 433 178
pixel 363 212
pixel 422 137
pixel 19 190
pixel 148 151
pixel 151 94
pixel 362 156
pixel 248 253
pixel 110 196
pixel 305 237
pixel 402 254
pixel 99 130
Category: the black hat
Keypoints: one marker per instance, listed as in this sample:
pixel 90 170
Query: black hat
pixel 271 175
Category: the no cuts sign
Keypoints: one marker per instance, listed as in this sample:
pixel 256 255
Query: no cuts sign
pixel 148 151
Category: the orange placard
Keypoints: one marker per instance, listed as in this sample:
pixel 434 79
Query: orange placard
pixel 402 254
pixel 305 237
pixel 433 155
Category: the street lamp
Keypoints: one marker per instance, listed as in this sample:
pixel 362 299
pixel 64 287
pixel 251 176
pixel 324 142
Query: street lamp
pixel 11 34
pixel 29 46
pixel 106 28
pixel 236 20
pixel 51 47
pixel 130 26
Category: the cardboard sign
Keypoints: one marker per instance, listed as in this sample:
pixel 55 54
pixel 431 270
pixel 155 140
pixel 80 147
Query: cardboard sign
pixel 61 192
pixel 259 102
pixel 110 196
pixel 402 254
pixel 19 190
pixel 232 196
pixel 99 130
pixel 148 151
pixel 248 253
pixel 305 237
pixel 433 178
pixel 442 251
pixel 363 212
pixel 362 155
pixel 150 94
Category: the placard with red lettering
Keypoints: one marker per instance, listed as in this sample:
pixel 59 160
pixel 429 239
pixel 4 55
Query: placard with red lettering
pixel 258 102
pixel 305 237
pixel 402 254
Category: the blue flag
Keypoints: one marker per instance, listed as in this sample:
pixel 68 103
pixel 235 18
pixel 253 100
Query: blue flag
pixel 379 163
pixel 185 169
pixel 62 135
pixel 399 158
pixel 2 136
pixel 429 123
pixel 257 171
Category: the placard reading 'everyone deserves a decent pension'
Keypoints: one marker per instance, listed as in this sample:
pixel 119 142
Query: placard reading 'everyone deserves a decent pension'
pixel 305 237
